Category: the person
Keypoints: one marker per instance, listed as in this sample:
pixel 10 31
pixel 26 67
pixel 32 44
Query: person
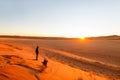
pixel 37 52
pixel 45 61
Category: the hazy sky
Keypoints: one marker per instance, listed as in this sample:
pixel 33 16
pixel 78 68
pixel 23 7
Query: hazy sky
pixel 67 18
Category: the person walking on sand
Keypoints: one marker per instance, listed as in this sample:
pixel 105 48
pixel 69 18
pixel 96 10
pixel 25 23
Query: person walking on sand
pixel 37 52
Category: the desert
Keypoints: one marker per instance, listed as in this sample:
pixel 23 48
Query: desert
pixel 59 39
pixel 67 59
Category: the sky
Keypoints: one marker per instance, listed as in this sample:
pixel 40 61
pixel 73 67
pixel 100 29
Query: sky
pixel 60 18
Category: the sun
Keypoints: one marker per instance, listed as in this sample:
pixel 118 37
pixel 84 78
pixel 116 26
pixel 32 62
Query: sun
pixel 82 38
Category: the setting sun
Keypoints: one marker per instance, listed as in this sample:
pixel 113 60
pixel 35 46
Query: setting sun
pixel 82 38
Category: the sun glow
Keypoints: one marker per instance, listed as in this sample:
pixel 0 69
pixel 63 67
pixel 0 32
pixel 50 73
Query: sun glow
pixel 82 38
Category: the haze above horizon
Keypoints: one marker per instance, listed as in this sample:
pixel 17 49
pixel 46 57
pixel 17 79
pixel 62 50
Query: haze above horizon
pixel 60 18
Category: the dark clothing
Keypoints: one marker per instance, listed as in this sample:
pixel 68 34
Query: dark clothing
pixel 45 62
pixel 37 52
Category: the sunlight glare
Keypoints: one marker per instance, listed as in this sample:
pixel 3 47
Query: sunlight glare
pixel 82 38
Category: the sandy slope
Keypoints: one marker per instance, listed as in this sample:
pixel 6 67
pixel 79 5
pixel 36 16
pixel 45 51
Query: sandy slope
pixel 83 63
pixel 17 63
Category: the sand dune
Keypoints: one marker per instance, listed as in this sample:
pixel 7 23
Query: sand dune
pixel 83 63
pixel 18 63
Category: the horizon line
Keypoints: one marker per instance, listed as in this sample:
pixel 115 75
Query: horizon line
pixel 55 36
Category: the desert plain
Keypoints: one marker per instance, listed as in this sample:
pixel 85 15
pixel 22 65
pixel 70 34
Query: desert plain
pixel 67 59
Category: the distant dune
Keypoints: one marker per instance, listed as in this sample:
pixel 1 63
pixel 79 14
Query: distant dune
pixel 34 37
pixel 111 37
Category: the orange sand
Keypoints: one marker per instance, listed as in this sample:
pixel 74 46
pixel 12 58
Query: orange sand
pixel 17 62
